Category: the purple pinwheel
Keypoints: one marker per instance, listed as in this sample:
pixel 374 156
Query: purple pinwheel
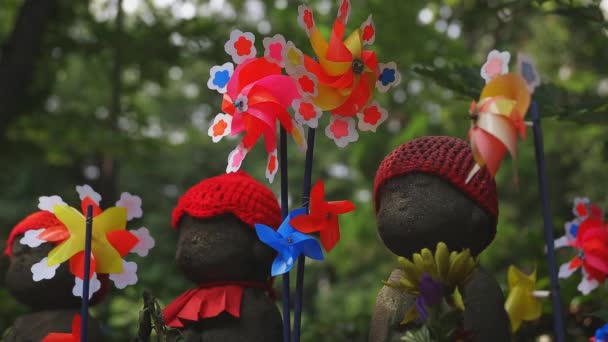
pixel 430 295
pixel 289 243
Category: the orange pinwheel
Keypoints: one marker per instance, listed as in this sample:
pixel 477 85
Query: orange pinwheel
pixel 346 73
pixel 496 121
pixel 322 217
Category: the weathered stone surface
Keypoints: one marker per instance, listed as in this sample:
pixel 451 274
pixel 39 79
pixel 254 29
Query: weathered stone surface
pixel 418 210
pixel 221 248
pixel 390 309
pixel 260 321
pixel 35 326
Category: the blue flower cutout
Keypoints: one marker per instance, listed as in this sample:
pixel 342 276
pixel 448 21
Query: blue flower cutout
pixel 573 229
pixel 527 70
pixel 289 243
pixel 219 76
pixel 389 76
pixel 601 334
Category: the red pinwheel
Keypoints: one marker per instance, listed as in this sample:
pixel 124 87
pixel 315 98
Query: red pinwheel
pixel 74 336
pixel 323 217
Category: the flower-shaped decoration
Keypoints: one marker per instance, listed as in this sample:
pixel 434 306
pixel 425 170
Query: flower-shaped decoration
pixel 256 94
pixel 289 243
pixel 323 217
pixel 450 269
pixel 588 234
pixel 522 303
pixel 497 63
pixel 496 121
pixel 73 336
pixel 601 334
pixel 345 72
pixel 110 242
pixel 527 70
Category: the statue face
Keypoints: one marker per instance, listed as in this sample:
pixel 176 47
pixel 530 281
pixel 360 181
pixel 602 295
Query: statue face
pixel 419 210
pixel 221 248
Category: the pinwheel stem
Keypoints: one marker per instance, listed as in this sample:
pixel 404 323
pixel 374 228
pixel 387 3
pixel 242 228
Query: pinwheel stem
pixel 284 212
pixel 84 312
pixel 297 319
pixel 558 319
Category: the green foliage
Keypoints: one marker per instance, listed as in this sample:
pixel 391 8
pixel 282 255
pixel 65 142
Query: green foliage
pixel 68 134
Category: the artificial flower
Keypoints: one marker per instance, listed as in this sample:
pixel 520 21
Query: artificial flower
pixel 497 63
pixel 601 334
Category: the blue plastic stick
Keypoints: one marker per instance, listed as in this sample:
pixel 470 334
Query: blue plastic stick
pixel 558 319
pixel 84 312
pixel 284 212
pixel 297 319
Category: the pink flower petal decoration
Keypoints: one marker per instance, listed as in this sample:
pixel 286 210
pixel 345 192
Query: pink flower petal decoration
pixel 127 277
pixel 307 83
pixel 274 49
pixel 306 19
pixel 146 242
pixel 240 46
pixel 342 130
pixel 86 191
pixel 497 63
pixel 272 166
pixel 132 203
pixel 220 127
pixel 371 117
pixel 307 113
pixel 368 31
pixel 235 158
pixel 293 58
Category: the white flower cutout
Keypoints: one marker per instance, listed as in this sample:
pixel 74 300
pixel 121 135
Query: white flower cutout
pixel 235 158
pixel 565 271
pixel 94 286
pixel 306 82
pixel 127 277
pixel 306 19
pixel 272 166
pixel 389 76
pixel 146 242
pixel 344 11
pixel 497 63
pixel 273 49
pixel 587 285
pixel 30 238
pixel 47 203
pixel 580 208
pixel 368 31
pixel 306 113
pixel 527 70
pixel 342 131
pixel 132 203
pixel 298 136
pixel 219 76
pixel 220 127
pixel 371 117
pixel 86 191
pixel 240 46
pixel 293 58
pixel 42 270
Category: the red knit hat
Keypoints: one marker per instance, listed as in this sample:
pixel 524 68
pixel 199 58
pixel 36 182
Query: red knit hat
pixel 235 193
pixel 445 157
pixel 37 220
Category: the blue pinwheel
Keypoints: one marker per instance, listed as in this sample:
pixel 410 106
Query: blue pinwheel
pixel 289 243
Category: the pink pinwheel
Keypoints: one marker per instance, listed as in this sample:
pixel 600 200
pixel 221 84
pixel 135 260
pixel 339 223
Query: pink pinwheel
pixel 256 94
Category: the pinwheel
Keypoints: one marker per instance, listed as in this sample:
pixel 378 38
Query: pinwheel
pixel 255 96
pixel 587 234
pixel 323 217
pixel 342 77
pixel 497 119
pixel 522 303
pixel 73 336
pixel 601 334
pixel 110 243
pixel 289 243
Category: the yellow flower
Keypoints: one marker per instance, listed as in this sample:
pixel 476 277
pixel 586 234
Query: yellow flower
pixel 522 304
pixel 451 269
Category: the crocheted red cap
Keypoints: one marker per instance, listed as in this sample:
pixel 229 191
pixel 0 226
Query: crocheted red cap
pixel 445 157
pixel 235 193
pixel 37 220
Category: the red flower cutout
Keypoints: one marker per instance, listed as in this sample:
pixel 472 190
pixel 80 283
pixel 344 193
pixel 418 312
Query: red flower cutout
pixel 308 19
pixel 74 336
pixel 307 84
pixel 243 46
pixel 339 129
pixel 371 115
pixel 344 11
pixel 322 217
pixel 307 110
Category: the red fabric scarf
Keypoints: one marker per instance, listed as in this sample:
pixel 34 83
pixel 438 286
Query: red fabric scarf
pixel 209 300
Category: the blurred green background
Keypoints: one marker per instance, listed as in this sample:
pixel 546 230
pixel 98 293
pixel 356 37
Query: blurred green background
pixel 118 100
